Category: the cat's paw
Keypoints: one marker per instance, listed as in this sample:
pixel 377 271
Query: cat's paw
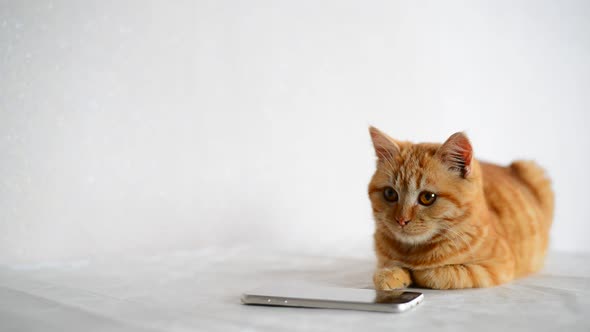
pixel 391 278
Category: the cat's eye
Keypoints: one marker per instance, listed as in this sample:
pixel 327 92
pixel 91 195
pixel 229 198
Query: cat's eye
pixel 426 198
pixel 390 194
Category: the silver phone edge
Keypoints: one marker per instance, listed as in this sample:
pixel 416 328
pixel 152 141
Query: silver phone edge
pixel 327 304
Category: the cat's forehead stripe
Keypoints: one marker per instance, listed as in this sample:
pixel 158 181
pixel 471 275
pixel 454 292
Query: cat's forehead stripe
pixel 408 172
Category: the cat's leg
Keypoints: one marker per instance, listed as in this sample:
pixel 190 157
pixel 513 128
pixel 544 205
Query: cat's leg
pixel 462 276
pixel 391 278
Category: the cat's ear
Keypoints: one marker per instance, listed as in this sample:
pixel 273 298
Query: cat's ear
pixel 457 154
pixel 385 146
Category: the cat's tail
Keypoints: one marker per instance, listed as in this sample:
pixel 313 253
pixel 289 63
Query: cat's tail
pixel 537 181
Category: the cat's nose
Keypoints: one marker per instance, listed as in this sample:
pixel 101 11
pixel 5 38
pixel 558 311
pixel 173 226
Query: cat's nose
pixel 402 221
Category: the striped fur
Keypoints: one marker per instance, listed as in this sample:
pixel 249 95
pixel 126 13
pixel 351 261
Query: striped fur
pixel 489 224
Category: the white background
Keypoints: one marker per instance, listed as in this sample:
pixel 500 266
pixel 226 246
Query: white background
pixel 150 126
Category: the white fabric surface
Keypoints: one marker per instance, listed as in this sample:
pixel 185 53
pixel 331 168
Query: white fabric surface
pixel 200 291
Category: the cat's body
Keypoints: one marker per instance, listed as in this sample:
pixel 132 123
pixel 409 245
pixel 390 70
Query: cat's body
pixel 445 220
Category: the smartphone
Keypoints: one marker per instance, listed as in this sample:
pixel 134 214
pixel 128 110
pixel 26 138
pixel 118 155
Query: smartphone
pixel 313 296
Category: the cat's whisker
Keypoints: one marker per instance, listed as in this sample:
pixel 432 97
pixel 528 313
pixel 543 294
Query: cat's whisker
pixel 459 236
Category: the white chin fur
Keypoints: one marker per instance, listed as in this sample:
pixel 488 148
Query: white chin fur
pixel 413 239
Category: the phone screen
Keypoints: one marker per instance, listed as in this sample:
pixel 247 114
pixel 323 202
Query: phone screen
pixel 312 292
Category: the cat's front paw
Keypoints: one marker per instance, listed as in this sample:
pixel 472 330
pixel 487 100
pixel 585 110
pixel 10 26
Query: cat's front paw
pixel 391 278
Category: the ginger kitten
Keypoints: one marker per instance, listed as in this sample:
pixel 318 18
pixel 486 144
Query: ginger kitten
pixel 444 220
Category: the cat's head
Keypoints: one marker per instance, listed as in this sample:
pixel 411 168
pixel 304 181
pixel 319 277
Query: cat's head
pixel 421 190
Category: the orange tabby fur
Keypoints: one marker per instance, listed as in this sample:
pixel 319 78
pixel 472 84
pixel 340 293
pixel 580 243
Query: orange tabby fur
pixel 488 225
